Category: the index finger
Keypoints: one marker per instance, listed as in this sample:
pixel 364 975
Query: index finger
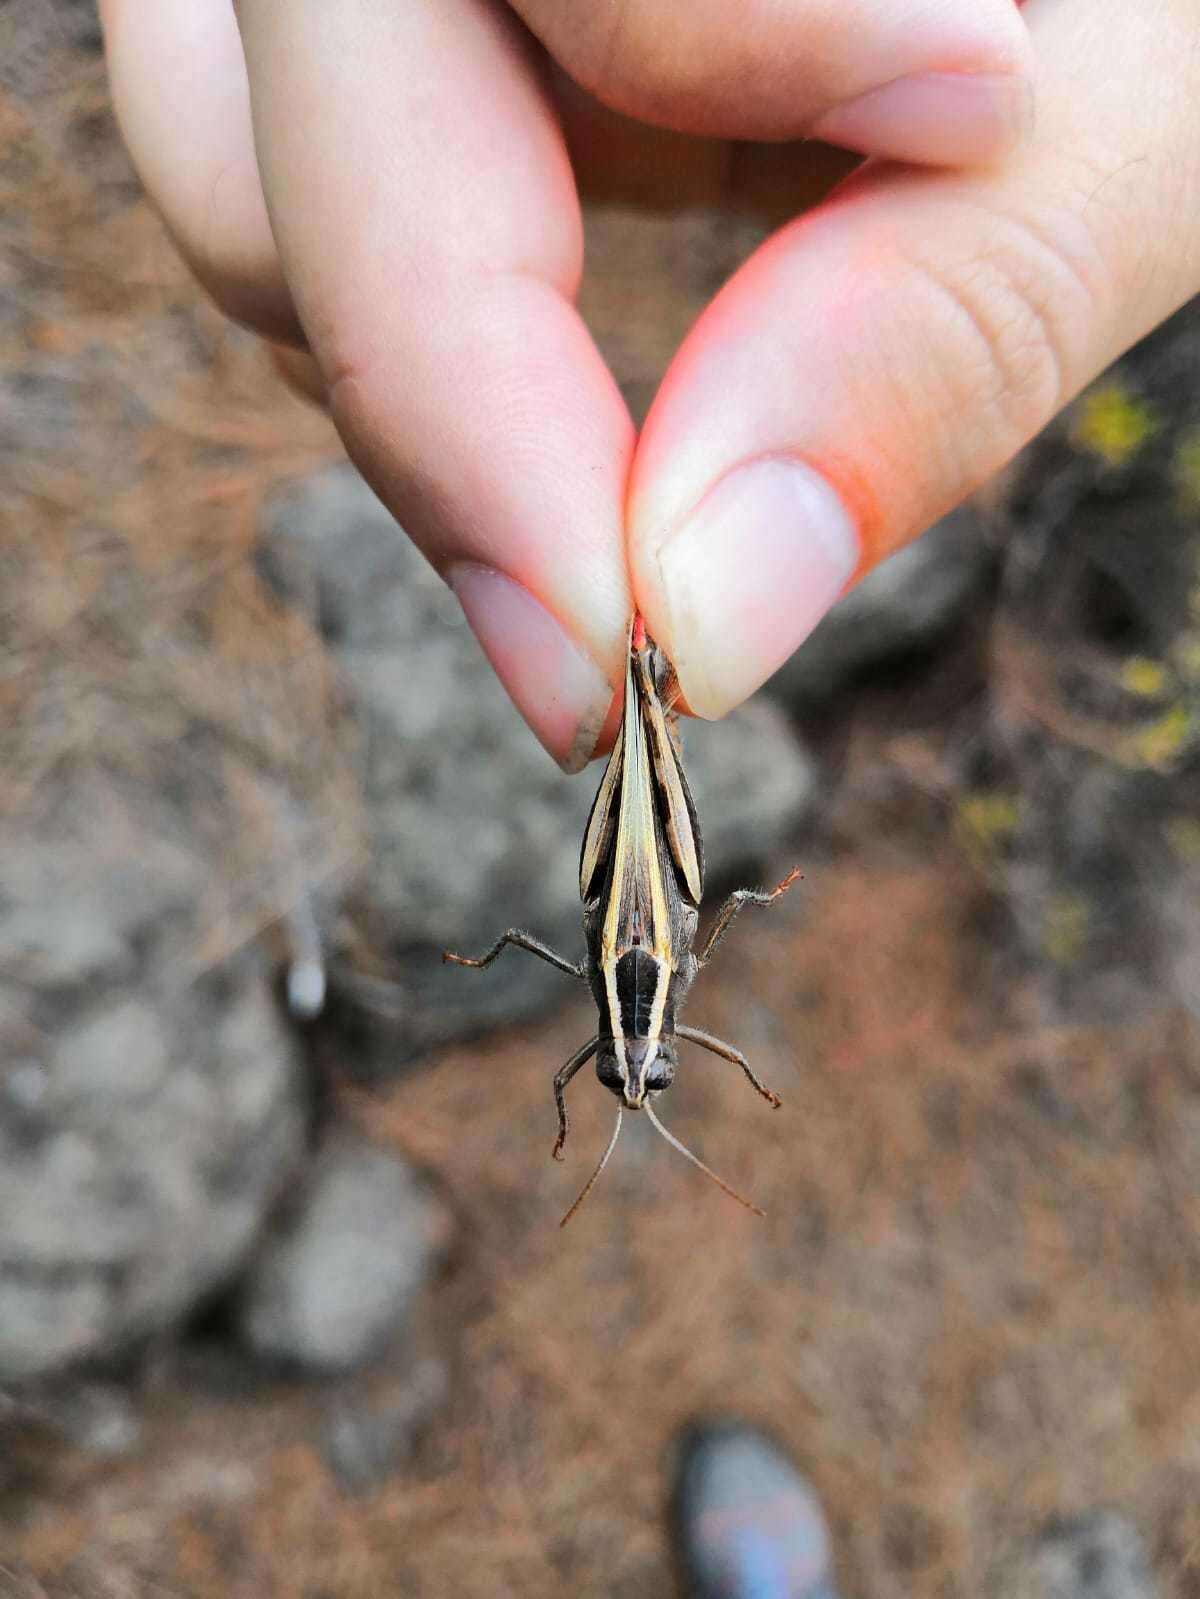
pixel 426 216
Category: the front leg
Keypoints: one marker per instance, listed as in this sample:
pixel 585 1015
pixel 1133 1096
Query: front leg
pixel 521 940
pixel 561 1078
pixel 727 1052
pixel 743 896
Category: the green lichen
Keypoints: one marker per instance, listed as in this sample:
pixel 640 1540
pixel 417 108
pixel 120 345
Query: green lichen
pixel 988 820
pixel 1066 923
pixel 1160 743
pixel 1143 677
pixel 1112 423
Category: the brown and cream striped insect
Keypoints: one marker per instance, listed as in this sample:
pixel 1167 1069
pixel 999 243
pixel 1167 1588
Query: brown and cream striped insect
pixel 641 878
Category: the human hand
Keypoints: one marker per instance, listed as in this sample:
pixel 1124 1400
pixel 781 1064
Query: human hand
pixel 869 366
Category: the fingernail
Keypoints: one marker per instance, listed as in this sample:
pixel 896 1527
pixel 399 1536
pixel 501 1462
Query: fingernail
pixel 556 686
pixel 749 575
pixel 935 118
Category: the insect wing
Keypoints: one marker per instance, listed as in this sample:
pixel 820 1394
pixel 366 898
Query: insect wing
pixel 680 822
pixel 636 912
pixel 601 830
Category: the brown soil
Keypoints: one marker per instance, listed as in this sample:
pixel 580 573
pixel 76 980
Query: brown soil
pixel 975 1299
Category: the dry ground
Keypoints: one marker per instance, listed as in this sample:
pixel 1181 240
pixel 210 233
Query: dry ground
pixel 975 1299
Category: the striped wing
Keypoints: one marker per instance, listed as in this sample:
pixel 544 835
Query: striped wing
pixel 636 911
pixel 680 822
pixel 621 842
pixel 601 831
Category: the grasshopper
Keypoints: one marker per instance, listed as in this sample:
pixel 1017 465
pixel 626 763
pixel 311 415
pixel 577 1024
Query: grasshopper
pixel 641 879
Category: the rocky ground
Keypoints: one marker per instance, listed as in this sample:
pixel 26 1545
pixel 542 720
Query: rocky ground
pixel 284 1307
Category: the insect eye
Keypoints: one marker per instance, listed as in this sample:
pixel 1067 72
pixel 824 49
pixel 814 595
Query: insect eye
pixel 661 1071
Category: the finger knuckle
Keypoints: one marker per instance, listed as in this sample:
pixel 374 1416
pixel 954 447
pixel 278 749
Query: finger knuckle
pixel 1019 309
pixel 234 261
pixel 650 61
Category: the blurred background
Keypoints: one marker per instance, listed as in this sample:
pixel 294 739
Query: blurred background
pixel 284 1306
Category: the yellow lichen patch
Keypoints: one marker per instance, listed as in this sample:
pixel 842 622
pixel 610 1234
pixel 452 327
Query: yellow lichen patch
pixel 1112 423
pixel 1065 927
pixel 1161 742
pixel 988 820
pixel 1186 466
pixel 1183 837
pixel 1143 677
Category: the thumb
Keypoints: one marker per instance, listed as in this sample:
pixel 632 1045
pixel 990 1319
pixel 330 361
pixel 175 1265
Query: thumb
pixel 879 359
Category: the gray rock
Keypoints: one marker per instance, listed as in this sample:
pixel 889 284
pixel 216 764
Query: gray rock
pixel 1096 1555
pixel 1094 729
pixel 471 828
pixel 150 1110
pixel 123 1202
pixel 70 913
pixel 98 1418
pixel 364 1437
pixel 754 783
pixel 906 604
pixel 341 1274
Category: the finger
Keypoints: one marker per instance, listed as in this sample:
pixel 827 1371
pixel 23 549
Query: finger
pixel 300 372
pixel 429 228
pixel 878 360
pixel 179 89
pixel 941 81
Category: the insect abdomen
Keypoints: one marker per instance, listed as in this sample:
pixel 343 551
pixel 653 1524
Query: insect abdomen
pixel 639 976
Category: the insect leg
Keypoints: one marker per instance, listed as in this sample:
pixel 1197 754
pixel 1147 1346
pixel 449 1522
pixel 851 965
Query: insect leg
pixel 521 940
pixel 561 1078
pixel 718 1046
pixel 743 896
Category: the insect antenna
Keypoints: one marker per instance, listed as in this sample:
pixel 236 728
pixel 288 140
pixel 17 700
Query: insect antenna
pixel 587 1187
pixel 695 1160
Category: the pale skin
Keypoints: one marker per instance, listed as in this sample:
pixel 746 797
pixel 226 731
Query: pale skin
pixel 390 190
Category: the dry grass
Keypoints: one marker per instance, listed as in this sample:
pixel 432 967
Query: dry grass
pixel 140 432
pixel 975 1299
